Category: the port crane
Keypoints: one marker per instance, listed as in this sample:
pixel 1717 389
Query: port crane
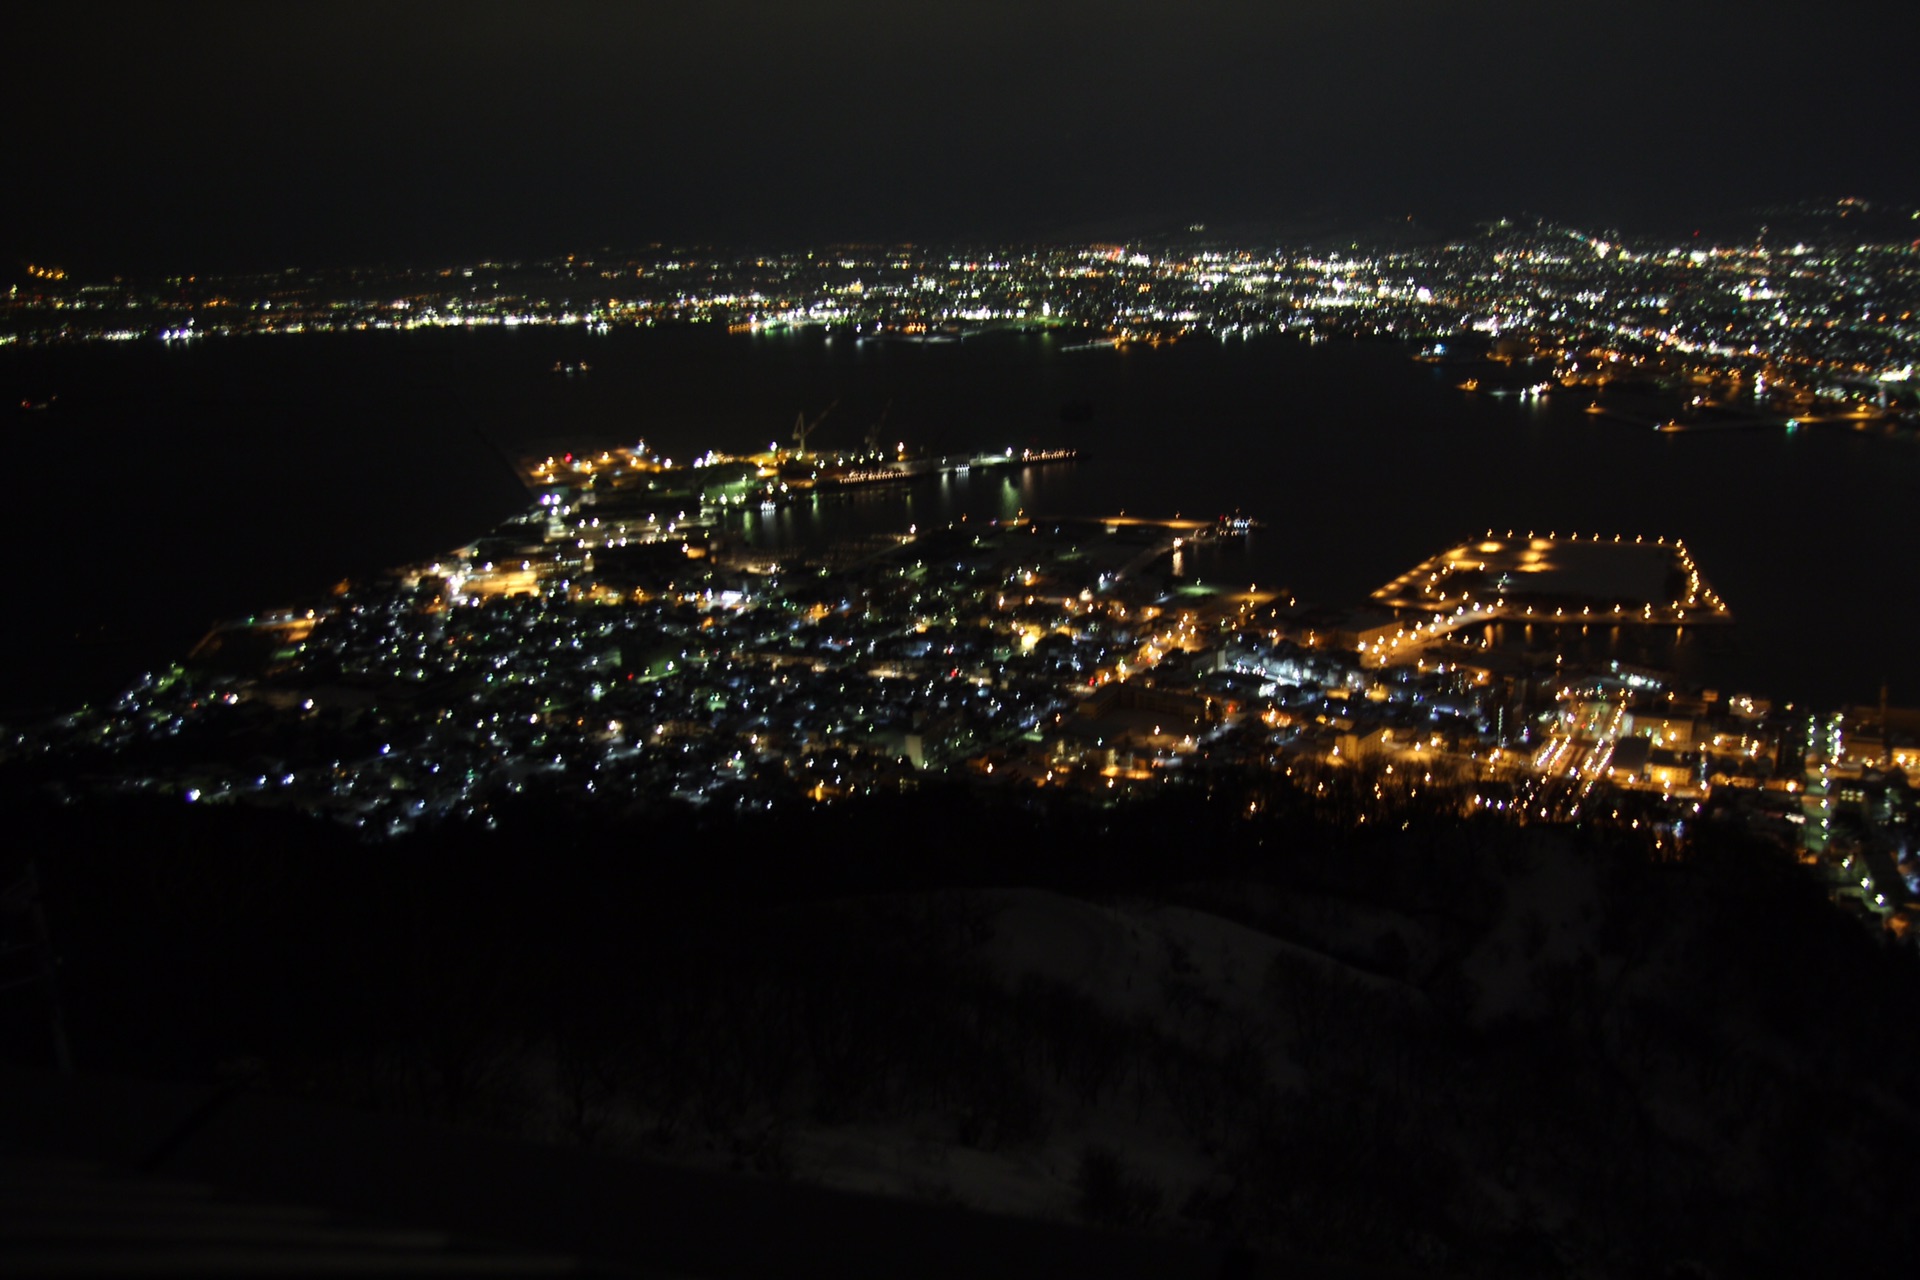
pixel 802 428
pixel 873 432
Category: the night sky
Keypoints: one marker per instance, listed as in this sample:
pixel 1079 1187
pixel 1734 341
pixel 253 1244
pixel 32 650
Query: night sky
pixel 184 137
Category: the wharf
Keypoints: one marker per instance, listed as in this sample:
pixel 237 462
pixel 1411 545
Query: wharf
pixel 922 468
pixel 1555 580
pixel 1223 527
pixel 1155 536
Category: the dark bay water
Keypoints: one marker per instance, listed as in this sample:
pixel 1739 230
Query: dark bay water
pixel 167 487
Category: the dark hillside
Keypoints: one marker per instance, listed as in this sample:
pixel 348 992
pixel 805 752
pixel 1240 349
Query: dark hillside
pixel 1490 1051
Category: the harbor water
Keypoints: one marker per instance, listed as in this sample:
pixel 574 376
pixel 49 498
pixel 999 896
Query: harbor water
pixel 165 487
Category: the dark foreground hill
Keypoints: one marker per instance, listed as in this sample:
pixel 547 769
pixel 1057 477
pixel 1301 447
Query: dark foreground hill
pixel 1461 1048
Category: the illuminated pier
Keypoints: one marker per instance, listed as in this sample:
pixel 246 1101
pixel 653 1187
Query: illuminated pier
pixel 1556 579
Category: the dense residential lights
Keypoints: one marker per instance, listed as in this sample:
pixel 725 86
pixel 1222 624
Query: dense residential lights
pixel 1786 337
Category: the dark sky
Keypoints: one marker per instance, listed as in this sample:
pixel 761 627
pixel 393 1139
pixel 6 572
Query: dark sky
pixel 217 135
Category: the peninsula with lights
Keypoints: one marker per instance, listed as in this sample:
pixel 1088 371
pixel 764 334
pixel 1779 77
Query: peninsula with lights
pixel 626 642
pixel 619 646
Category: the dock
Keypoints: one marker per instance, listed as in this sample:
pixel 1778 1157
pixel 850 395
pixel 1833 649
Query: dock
pixel 1555 579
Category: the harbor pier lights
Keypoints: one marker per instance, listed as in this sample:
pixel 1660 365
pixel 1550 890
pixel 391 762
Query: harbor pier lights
pixel 1558 578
